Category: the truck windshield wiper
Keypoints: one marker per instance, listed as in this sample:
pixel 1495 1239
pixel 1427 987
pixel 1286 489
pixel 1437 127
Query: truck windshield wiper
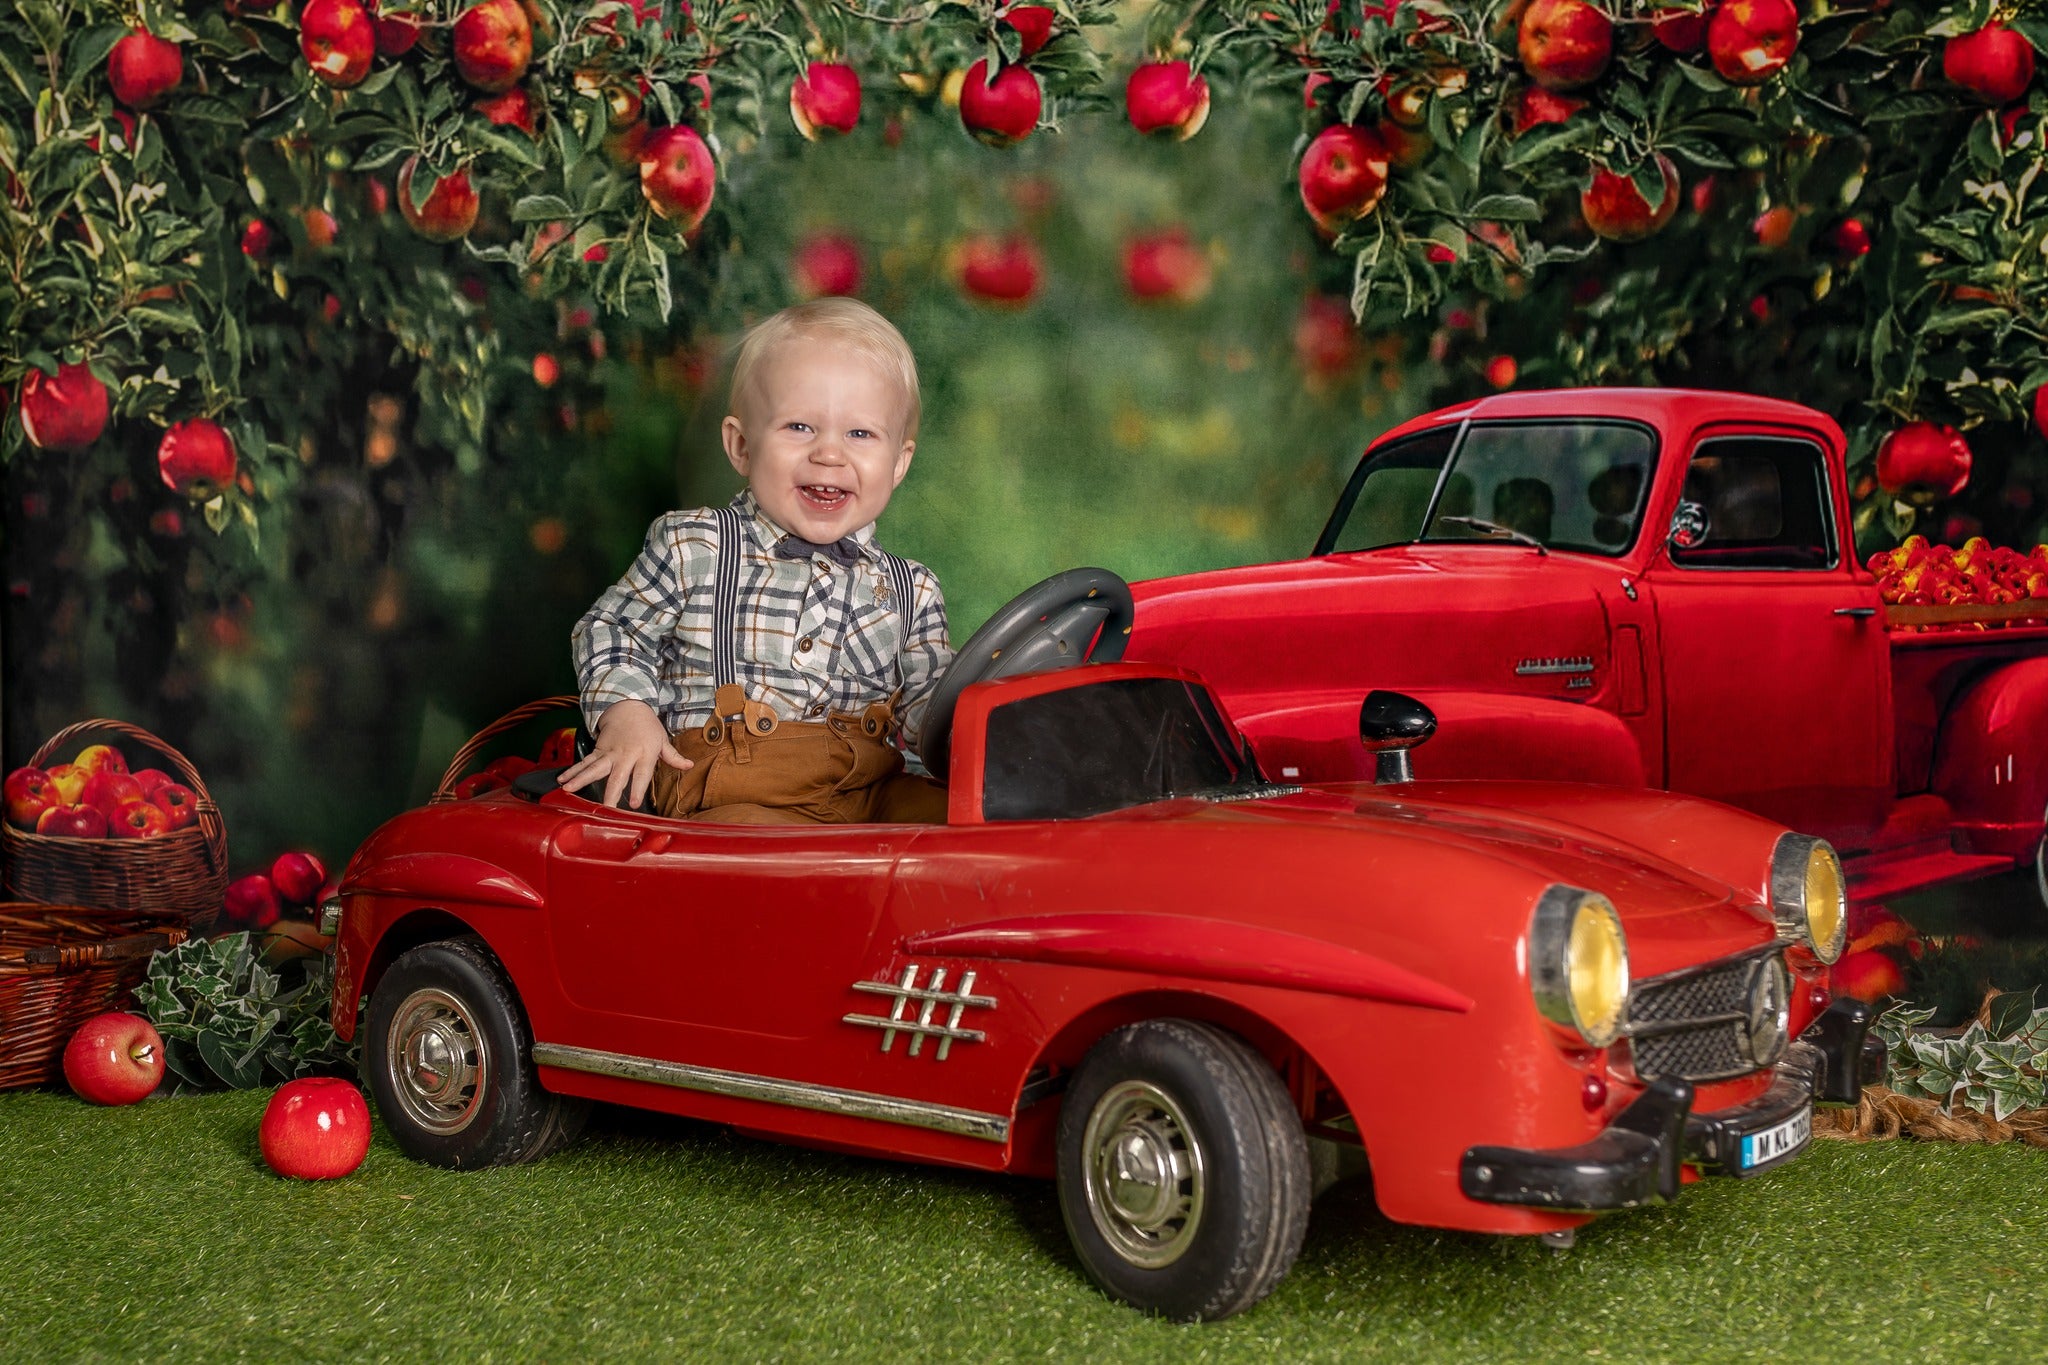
pixel 1494 528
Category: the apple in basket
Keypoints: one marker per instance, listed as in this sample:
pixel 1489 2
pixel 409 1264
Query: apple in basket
pixel 315 1128
pixel 100 758
pixel 114 1058
pixel 29 793
pixel 178 801
pixel 72 822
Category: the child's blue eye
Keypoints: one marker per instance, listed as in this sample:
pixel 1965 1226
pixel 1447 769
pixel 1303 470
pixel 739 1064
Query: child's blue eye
pixel 860 433
pixel 799 426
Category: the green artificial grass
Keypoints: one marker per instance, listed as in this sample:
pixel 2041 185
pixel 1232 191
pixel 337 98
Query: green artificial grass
pixel 156 1232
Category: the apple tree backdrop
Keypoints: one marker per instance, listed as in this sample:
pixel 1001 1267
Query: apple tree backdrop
pixel 351 354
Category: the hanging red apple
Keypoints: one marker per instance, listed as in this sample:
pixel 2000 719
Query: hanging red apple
pixel 1564 44
pixel 338 41
pixel 826 98
pixel 1681 30
pixel 1750 41
pixel 826 263
pixel 1922 462
pixel 1343 175
pixel 1851 237
pixel 450 209
pixel 1167 97
pixel 196 459
pixel 396 33
pixel 1001 270
pixel 512 109
pixel 67 411
pixel 1995 63
pixel 1536 105
pixel 1004 112
pixel 1615 209
pixel 493 42
pixel 2041 410
pixel 143 68
pixel 1325 338
pixel 1166 267
pixel 1033 24
pixel 678 176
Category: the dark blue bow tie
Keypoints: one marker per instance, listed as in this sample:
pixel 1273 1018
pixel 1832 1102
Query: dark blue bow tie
pixel 842 552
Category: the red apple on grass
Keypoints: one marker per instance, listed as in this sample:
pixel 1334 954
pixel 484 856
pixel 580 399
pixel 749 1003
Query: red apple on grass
pixel 1922 462
pixel 1004 112
pixel 1343 175
pixel 678 176
pixel 1995 63
pixel 72 822
pixel 493 43
pixel 1615 209
pixel 826 98
pixel 143 68
pixel 28 794
pixel 338 40
pixel 1167 97
pixel 1751 40
pixel 1564 44
pixel 824 263
pixel 1033 24
pixel 196 459
pixel 114 1058
pixel 177 801
pixel 251 902
pixel 315 1128
pixel 297 877
pixel 450 208
pixel 1001 270
pixel 67 411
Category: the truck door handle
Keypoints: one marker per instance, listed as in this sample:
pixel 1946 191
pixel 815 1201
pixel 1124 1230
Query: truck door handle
pixel 1856 611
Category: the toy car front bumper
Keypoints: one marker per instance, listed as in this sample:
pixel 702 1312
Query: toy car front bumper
pixel 1636 1160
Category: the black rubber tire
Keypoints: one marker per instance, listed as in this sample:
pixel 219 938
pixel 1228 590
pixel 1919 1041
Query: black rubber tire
pixel 501 1118
pixel 1254 1183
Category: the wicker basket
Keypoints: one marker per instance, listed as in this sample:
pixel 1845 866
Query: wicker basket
pixel 511 720
pixel 59 966
pixel 185 871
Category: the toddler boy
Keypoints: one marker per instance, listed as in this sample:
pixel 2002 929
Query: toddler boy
pixel 755 660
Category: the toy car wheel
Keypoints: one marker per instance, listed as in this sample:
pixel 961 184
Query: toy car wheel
pixel 1184 1175
pixel 449 1058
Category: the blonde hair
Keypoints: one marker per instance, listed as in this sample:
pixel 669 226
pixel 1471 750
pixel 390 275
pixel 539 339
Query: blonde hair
pixel 847 321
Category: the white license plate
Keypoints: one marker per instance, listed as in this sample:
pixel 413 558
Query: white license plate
pixel 1783 1139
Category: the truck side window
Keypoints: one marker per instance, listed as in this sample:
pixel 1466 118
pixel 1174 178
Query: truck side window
pixel 1764 502
pixel 1389 494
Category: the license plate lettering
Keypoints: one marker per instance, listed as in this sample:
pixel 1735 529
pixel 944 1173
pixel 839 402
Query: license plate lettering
pixel 1780 1139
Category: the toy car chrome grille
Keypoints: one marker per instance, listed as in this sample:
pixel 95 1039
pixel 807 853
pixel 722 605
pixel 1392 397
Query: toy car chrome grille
pixel 1709 1023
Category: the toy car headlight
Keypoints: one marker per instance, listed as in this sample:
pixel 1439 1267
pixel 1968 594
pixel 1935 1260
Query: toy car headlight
pixel 1578 963
pixel 1809 897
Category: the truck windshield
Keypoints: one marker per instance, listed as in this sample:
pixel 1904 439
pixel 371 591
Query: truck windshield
pixel 1568 485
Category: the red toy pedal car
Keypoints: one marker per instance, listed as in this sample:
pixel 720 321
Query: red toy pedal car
pixel 1133 963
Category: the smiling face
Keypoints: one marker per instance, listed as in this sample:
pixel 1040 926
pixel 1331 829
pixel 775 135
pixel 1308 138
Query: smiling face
pixel 819 435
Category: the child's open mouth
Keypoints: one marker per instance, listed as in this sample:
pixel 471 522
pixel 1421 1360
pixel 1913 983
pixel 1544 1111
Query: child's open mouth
pixel 824 497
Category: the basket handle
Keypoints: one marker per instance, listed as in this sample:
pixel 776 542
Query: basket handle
pixel 445 789
pixel 85 954
pixel 206 812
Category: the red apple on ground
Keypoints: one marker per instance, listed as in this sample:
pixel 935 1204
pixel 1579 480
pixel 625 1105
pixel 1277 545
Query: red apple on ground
pixel 114 1058
pixel 1923 461
pixel 1001 270
pixel 1002 113
pixel 678 176
pixel 65 411
pixel 196 459
pixel 251 902
pixel 1167 97
pixel 1343 175
pixel 493 42
pixel 824 263
pixel 338 40
pixel 1033 24
pixel 451 206
pixel 315 1128
pixel 1751 40
pixel 28 794
pixel 826 98
pixel 513 109
pixel 1995 63
pixel 178 801
pixel 1165 266
pixel 143 68
pixel 1535 106
pixel 1615 209
pixel 297 877
pixel 72 822
pixel 1564 44
pixel 138 819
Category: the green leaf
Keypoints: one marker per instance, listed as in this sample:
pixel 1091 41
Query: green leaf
pixel 1550 140
pixel 87 53
pixel 1506 208
pixel 2007 1013
pixel 538 208
pixel 236 1069
pixel 1965 319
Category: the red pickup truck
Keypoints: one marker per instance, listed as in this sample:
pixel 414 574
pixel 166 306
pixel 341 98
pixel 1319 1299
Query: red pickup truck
pixel 1644 587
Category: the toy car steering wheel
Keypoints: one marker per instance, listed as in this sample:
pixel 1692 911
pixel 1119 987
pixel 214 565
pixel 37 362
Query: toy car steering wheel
pixel 1078 617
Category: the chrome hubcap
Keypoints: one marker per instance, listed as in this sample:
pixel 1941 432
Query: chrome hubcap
pixel 438 1061
pixel 1143 1174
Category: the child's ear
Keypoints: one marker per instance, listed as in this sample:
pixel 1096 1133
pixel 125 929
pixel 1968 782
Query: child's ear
pixel 735 438
pixel 903 462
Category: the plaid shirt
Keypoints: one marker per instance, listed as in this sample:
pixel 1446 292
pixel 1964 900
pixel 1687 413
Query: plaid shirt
pixel 814 637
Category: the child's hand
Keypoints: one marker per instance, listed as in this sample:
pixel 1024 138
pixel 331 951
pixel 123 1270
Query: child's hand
pixel 630 744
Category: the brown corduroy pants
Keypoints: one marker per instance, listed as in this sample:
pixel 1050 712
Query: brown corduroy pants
pixel 836 771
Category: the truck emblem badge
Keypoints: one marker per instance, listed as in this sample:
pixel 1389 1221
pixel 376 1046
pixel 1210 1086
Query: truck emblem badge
pixel 930 997
pixel 1569 663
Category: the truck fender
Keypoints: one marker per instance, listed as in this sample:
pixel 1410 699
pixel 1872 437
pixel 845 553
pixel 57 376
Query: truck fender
pixel 441 878
pixel 1991 760
pixel 1478 734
